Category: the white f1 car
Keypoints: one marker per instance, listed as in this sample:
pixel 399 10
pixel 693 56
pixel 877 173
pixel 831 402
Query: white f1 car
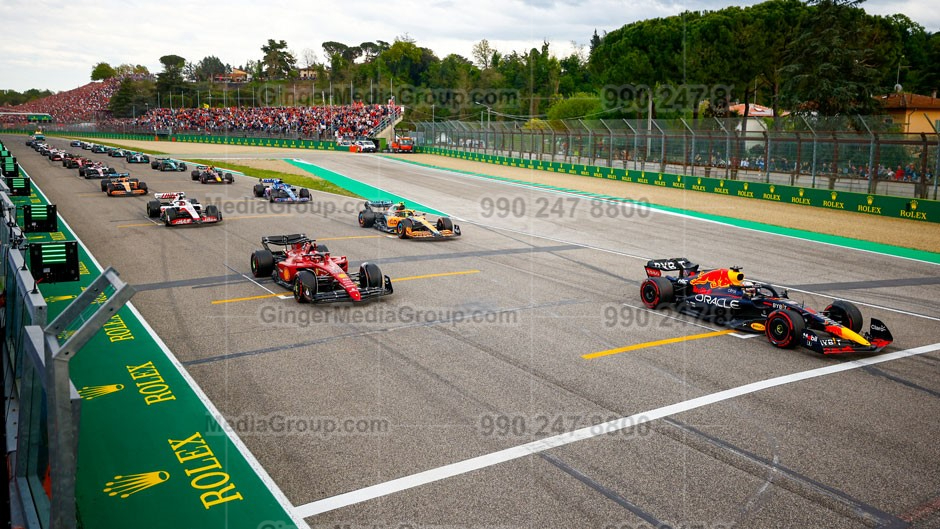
pixel 175 209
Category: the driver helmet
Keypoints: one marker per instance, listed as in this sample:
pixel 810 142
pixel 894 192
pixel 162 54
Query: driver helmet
pixel 748 287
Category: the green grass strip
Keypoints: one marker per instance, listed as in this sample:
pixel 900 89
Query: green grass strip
pixel 317 184
pixel 361 189
pixel 836 240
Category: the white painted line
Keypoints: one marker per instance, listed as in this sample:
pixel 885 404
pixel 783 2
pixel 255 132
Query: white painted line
pixel 535 447
pixel 210 407
pixel 266 289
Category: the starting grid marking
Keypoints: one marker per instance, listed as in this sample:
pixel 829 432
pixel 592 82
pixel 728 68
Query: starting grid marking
pixel 502 456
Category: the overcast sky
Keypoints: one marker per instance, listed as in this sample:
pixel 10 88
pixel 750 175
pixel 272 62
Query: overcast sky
pixel 54 45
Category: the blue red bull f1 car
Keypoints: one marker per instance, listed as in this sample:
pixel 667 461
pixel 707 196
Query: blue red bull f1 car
pixel 276 190
pixel 725 297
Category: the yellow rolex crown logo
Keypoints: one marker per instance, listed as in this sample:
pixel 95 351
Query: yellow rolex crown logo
pixel 124 486
pixel 678 178
pixel 660 177
pixel 745 186
pixel 721 183
pixel 834 195
pixel 913 205
pixel 772 188
pixel 801 192
pixel 698 182
pixel 93 392
pixel 870 199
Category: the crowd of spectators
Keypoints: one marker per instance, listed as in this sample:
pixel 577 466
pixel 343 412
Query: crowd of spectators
pixel 319 122
pixel 82 104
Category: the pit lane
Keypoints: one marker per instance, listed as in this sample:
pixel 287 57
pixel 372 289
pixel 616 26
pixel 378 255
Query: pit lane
pixel 848 449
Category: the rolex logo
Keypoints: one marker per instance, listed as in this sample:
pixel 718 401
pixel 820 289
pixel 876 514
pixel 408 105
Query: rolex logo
pixel 93 392
pixel 745 186
pixel 834 195
pixel 870 199
pixel 124 486
pixel 660 177
pixel 678 178
pixel 801 192
pixel 913 205
pixel 721 183
pixel 698 182
pixel 772 188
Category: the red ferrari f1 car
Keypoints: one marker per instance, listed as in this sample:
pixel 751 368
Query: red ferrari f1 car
pixel 308 269
pixel 725 297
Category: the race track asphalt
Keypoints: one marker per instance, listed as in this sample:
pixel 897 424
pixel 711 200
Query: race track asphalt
pixel 480 350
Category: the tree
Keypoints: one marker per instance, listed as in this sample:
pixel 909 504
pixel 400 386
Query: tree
pixel 482 54
pixel 209 68
pixel 833 69
pixel 580 105
pixel 278 61
pixel 171 78
pixel 309 57
pixel 102 71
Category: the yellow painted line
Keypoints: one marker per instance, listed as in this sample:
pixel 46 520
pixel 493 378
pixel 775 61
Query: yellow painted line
pixel 656 343
pixel 249 298
pixel 266 296
pixel 428 276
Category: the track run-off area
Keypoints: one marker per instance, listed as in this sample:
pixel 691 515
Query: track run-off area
pixel 514 379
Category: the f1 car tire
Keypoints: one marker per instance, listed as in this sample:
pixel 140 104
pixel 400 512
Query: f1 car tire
pixel 194 175
pixel 846 314
pixel 182 167
pixel 366 218
pixel 322 248
pixel 444 223
pixel 370 276
pixel 656 291
pixel 305 287
pixel 213 211
pixel 202 179
pixel 262 263
pixel 104 185
pixel 153 208
pixel 258 190
pixel 304 193
pixel 784 328
pixel 142 186
pixel 229 179
pixel 402 228
pixel 169 215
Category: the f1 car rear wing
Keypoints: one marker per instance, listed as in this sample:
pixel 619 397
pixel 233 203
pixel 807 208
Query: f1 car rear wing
pixel 269 180
pixel 284 240
pixel 683 266
pixel 379 204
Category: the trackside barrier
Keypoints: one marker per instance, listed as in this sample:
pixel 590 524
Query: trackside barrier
pixel 923 210
pixel 148 437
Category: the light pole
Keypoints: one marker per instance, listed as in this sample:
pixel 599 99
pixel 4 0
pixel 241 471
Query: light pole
pixel 487 136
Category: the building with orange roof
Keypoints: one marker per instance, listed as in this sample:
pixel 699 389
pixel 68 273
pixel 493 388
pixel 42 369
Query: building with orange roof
pixel 915 113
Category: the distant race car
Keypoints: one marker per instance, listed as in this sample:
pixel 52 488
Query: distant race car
pixel 117 153
pixel 87 145
pixel 123 185
pixel 56 155
pixel 308 269
pixel 166 164
pixel 174 209
pixel 97 170
pixel 137 157
pixel 365 145
pixel 75 162
pixel 726 298
pixel 278 191
pixel 211 175
pixel 99 148
pixel 75 143
pixel 386 216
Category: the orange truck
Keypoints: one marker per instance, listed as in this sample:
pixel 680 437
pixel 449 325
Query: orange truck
pixel 403 144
